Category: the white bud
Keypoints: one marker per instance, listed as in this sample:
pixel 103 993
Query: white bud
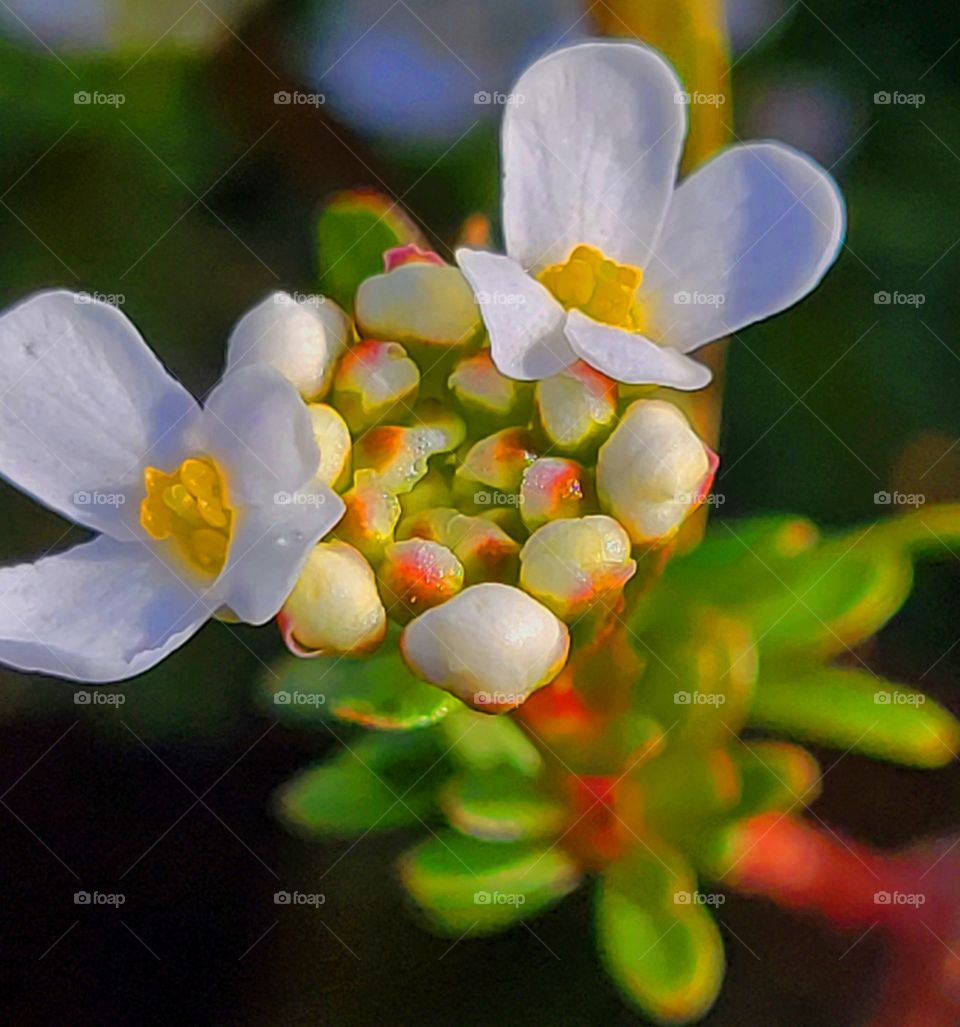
pixel 571 565
pixel 652 470
pixel 491 646
pixel 335 606
pixel 301 337
pixel 333 440
pixel 418 302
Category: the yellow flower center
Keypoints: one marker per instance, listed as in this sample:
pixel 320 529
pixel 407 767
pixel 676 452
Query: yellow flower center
pixel 189 508
pixel 601 288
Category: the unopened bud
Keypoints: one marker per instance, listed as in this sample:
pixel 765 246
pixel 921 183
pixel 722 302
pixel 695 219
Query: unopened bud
pixel 496 462
pixel 335 606
pixel 554 488
pixel 376 381
pixel 571 565
pixel 576 408
pixel 415 575
pixel 491 646
pixel 486 394
pixel 653 470
pixel 301 338
pixel 418 301
pixel 371 516
pixel 333 440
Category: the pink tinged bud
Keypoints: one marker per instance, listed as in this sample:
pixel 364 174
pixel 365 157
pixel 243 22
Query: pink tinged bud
pixel 572 565
pixel 418 302
pixel 492 646
pixel 577 408
pixel 653 471
pixel 486 551
pixel 371 516
pixel 554 488
pixel 398 456
pixel 333 441
pixel 376 381
pixel 496 462
pixel 335 606
pixel 483 392
pixel 410 254
pixel 415 575
pixel 301 338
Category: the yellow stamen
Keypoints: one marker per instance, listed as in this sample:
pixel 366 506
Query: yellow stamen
pixel 601 288
pixel 189 508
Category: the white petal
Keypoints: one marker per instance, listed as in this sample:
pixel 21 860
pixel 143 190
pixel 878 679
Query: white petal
pixel 84 404
pixel 524 320
pixel 103 611
pixel 256 427
pixel 591 145
pixel 301 338
pixel 631 358
pixel 747 235
pixel 270 545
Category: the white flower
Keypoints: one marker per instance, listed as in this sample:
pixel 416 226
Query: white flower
pixel 302 337
pixel 607 261
pixel 491 646
pixel 197 509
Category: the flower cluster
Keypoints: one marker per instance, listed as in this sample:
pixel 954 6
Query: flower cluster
pixel 477 453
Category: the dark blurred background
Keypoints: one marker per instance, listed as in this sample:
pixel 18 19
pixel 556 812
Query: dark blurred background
pixel 188 193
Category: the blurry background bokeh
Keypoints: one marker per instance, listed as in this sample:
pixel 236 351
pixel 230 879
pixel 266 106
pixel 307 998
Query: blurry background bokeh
pixel 145 156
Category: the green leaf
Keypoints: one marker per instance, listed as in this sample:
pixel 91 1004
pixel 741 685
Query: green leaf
pixel 679 794
pixel 468 886
pixel 377 691
pixel 382 782
pixel 699 675
pixel 478 741
pixel 354 230
pixel 502 804
pixel 799 597
pixel 658 942
pixel 774 776
pixel 854 711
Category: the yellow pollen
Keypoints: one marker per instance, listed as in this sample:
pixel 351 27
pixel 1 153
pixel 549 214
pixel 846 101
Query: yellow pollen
pixel 189 508
pixel 601 288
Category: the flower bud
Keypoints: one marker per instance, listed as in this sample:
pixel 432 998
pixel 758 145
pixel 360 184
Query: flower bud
pixel 485 394
pixel 554 488
pixel 415 575
pixel 398 455
pixel 496 462
pixel 371 516
pixel 571 565
pixel 653 470
pixel 333 441
pixel 334 606
pixel 418 300
pixel 576 408
pixel 491 646
pixel 302 339
pixel 486 551
pixel 376 381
